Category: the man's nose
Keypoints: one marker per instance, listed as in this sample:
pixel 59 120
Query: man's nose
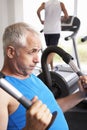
pixel 36 58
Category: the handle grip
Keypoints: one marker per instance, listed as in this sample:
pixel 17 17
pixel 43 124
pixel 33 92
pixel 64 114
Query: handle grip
pixel 79 73
pixel 52 120
pixel 76 70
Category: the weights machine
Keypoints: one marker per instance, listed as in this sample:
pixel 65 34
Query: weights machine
pixel 64 74
pixel 77 116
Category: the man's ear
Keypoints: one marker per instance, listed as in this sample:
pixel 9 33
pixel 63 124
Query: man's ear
pixel 10 51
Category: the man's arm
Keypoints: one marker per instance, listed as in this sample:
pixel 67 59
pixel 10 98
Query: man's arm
pixel 66 16
pixel 42 6
pixel 72 100
pixel 3 110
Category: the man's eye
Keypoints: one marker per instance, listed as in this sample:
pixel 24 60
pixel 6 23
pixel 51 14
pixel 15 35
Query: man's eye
pixel 32 52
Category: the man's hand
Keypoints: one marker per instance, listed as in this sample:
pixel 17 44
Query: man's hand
pixel 83 83
pixel 38 116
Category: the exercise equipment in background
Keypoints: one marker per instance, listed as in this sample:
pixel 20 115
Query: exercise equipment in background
pixel 76 115
pixel 72 25
pixel 56 82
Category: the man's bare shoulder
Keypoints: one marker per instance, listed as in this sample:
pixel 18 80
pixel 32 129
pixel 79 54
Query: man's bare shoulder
pixel 7 101
pixel 4 96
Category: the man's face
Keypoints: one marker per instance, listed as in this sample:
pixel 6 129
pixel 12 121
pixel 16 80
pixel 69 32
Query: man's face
pixel 26 58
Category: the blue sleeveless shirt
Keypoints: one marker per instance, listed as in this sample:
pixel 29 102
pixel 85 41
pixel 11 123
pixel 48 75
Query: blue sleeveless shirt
pixel 31 87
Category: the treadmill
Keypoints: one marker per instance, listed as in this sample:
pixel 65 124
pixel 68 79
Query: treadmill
pixel 72 25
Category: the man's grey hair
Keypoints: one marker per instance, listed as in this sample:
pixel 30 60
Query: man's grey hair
pixel 15 34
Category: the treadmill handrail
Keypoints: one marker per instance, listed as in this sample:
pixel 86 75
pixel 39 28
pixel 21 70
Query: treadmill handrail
pixel 74 27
